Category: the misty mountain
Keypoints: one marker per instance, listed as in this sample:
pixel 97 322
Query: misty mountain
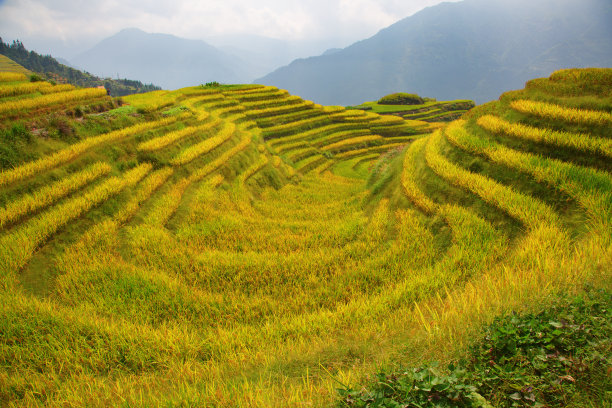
pixel 267 54
pixel 475 49
pixel 162 59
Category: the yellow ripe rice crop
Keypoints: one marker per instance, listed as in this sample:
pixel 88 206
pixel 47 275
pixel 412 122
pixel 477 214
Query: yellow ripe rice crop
pixel 23 88
pixel 144 191
pixel 252 90
pixel 12 77
pixel 276 161
pixel 319 131
pixel 261 95
pixel 577 141
pixel 73 151
pixel 333 109
pixel 557 112
pixel 56 89
pixel 530 211
pixel 291 126
pixel 338 136
pixel 411 189
pixel 166 205
pixel 367 150
pixel 591 188
pixel 279 110
pixel 221 160
pixel 351 142
pixel 273 102
pixel 345 114
pixel 52 99
pixel 248 173
pixel 292 146
pixel 386 120
pixel 228 110
pixel 17 247
pixel 82 251
pixel 309 162
pixel 192 152
pixel 49 194
pixel 152 101
pixel 171 137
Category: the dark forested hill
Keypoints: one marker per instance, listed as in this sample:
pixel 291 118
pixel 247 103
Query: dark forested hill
pixel 472 49
pixel 50 68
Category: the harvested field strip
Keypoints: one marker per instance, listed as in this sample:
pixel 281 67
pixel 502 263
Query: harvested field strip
pixel 20 244
pixel 172 137
pixel 583 142
pixel 47 195
pixel 351 142
pixel 526 209
pixel 75 150
pixel 557 112
pixel 52 99
pixel 192 152
pixel 591 188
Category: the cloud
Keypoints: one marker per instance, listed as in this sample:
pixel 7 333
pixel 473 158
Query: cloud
pixel 72 21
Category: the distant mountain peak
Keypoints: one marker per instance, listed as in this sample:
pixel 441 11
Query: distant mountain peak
pixel 473 49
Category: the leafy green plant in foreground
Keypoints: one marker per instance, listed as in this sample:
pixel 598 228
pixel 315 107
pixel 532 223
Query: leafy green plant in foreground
pixel 555 358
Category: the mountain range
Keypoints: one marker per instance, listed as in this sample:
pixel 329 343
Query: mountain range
pixel 473 49
pixel 163 59
pixel 175 62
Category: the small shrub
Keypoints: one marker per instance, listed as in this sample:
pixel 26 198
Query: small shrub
pixel 36 78
pixel 401 99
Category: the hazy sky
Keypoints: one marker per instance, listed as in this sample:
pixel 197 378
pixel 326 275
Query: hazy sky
pixel 80 23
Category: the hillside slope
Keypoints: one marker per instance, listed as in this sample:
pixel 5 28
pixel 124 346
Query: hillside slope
pixel 473 49
pixel 240 246
pixel 8 65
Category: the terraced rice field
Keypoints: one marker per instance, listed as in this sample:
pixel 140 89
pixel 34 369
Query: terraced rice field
pixel 238 246
pixel 430 111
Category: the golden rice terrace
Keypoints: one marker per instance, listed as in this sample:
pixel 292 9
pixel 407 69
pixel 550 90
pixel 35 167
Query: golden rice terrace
pixel 239 246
